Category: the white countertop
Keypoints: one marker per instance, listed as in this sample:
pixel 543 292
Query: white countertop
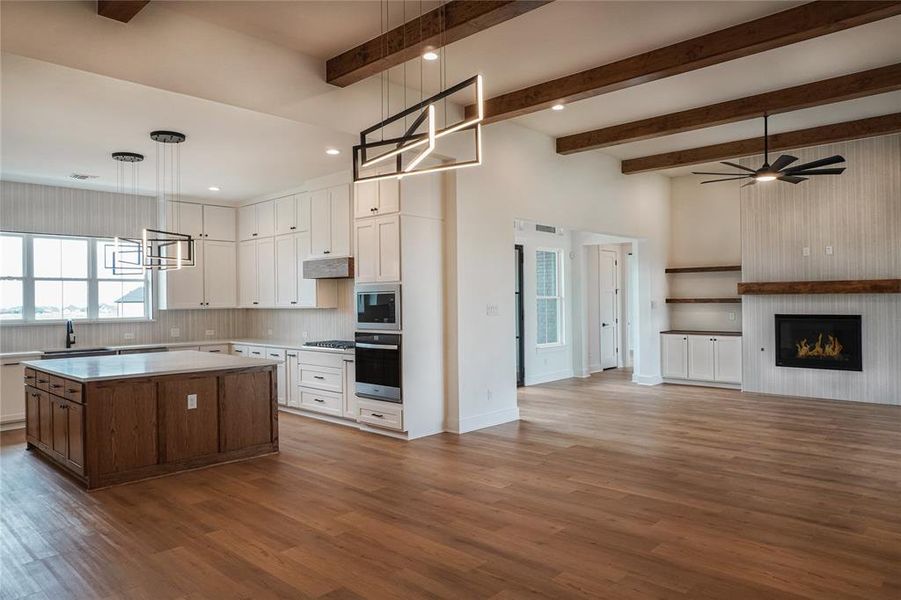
pixel 98 368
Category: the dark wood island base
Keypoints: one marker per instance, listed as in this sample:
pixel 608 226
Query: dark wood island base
pixel 114 431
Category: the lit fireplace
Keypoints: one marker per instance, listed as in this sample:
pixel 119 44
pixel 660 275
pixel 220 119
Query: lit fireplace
pixel 819 342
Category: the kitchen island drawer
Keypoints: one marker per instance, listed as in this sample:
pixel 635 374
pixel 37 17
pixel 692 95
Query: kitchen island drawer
pixel 56 385
pixel 322 378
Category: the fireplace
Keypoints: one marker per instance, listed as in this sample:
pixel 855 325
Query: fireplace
pixel 819 342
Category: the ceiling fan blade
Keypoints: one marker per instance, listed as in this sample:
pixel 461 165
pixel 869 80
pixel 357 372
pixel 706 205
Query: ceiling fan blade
pixel 727 179
pixel 782 162
pixel 752 182
pixel 792 179
pixel 837 171
pixel 727 174
pixel 818 163
pixel 737 166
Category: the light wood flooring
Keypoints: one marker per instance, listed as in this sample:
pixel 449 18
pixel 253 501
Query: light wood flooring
pixel 603 490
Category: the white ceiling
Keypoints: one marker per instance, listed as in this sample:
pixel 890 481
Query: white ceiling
pixel 245 80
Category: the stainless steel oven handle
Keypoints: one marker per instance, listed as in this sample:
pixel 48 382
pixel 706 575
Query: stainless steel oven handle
pixel 376 346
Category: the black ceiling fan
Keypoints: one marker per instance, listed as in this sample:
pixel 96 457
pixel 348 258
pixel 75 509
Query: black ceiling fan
pixel 779 169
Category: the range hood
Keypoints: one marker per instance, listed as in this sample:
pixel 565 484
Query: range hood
pixel 328 268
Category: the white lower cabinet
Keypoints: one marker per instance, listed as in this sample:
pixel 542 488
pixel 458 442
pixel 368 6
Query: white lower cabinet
pixel 281 374
pixel 350 385
pixel 702 358
pixel 215 348
pixel 380 414
pixel 12 394
pixel 292 391
pixel 239 350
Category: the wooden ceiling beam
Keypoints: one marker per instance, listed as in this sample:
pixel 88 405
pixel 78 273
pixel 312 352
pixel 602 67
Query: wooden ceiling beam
pixel 773 31
pixel 448 23
pixel 120 10
pixel 790 140
pixel 827 91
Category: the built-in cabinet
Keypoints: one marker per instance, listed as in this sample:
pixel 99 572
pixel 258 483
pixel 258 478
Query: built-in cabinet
pixel 330 222
pixel 256 273
pixel 706 358
pixel 374 198
pixel 55 418
pixel 256 220
pixel 377 242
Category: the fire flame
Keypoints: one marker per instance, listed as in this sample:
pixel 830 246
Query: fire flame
pixel 832 349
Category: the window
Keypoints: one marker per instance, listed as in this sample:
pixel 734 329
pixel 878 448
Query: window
pixel 548 286
pixel 52 278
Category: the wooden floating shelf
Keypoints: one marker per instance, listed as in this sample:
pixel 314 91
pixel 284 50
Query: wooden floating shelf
pixel 849 286
pixel 704 269
pixel 703 300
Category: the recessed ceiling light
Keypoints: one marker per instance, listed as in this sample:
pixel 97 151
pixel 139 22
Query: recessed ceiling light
pixel 557 107
pixel 213 188
pixel 333 152
pixel 430 55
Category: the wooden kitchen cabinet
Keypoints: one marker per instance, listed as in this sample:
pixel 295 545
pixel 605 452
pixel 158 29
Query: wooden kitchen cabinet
pixel 377 242
pixel 32 408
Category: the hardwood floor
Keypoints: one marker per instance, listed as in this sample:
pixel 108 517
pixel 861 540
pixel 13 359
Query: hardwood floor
pixel 603 490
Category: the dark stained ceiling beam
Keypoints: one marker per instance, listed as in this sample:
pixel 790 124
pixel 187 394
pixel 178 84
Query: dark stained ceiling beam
pixel 448 23
pixel 827 91
pixel 790 140
pixel 773 31
pixel 120 10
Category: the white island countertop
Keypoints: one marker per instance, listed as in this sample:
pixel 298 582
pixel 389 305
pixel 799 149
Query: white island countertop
pixel 99 368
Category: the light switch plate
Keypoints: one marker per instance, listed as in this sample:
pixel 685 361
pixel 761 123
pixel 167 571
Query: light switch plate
pixel 731 316
pixel 192 401
pixel 491 310
pixel 806 251
pixel 175 332
pixel 128 336
pixel 828 250
pixel 210 332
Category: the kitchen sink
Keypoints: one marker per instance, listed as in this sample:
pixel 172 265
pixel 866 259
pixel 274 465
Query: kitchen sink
pixel 76 352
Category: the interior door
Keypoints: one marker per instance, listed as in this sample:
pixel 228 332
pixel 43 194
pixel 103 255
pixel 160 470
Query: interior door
pixel 607 308
pixel 520 319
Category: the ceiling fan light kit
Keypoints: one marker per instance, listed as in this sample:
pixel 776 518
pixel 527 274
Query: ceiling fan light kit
pixel 780 169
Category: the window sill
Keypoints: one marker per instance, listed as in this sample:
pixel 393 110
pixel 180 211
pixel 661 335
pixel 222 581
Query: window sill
pixel 549 347
pixel 75 322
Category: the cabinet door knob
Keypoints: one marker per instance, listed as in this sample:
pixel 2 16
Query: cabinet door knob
pixel 293 301
pixel 254 234
pixel 326 251
pixel 292 227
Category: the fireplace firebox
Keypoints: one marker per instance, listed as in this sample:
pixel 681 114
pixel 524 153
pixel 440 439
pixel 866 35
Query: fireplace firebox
pixel 819 342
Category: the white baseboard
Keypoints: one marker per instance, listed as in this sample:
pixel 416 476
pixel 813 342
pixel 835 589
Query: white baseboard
pixel 730 386
pixel 474 423
pixel 549 377
pixel 647 379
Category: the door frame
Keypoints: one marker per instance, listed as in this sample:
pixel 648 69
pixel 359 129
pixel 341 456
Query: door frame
pixel 617 306
pixel 519 253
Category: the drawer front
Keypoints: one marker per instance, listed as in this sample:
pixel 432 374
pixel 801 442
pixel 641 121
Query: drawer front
pixel 255 352
pixel 275 354
pixel 322 378
pixel 57 385
pixel 29 377
pixel 319 401
pixel 389 417
pixel 321 359
pixel 215 348
pixel 42 381
pixel 72 390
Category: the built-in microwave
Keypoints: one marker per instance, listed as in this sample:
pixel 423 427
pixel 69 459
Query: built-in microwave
pixel 378 306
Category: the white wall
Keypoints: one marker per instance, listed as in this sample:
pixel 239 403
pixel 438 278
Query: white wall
pixel 523 177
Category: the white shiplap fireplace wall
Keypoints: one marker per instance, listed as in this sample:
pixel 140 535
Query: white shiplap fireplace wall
pixel 859 215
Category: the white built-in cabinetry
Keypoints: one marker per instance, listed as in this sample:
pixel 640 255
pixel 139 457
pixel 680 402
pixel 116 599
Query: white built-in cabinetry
pixel 702 358
pixel 212 281
pixel 373 198
pixel 377 241
pixel 330 222
pixel 256 220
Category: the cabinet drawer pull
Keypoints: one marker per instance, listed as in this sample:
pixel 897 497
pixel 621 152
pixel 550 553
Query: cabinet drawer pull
pixel 377 415
pixel 253 234
pixel 43 380
pixel 72 391
pixel 326 251
pixel 255 302
pixel 55 385
pixel 274 355
pixel 292 356
pixel 213 351
pixel 257 353
pixel 34 395
pixel 318 400
pixel 293 301
pixel 318 377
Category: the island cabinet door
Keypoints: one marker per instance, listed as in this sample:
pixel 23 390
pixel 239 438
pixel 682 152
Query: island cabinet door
pixel 32 413
pixel 45 418
pixel 75 441
pixel 120 428
pixel 189 418
pixel 59 426
pixel 246 415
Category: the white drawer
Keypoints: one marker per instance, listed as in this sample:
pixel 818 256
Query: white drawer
pixel 380 414
pixel 324 402
pixel 255 352
pixel 321 359
pixel 215 348
pixel 322 378
pixel 275 354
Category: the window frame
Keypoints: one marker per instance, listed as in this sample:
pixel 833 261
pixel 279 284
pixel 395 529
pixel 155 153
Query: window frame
pixel 92 279
pixel 559 297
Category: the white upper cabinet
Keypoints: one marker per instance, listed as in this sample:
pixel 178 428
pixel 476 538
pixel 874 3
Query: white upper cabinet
pixel 366 246
pixel 266 271
pixel 190 219
pixel 285 215
pixel 374 198
pixel 219 274
pixel 330 222
pixel 219 223
pixel 340 220
pixel 377 256
pixel 256 220
pixel 184 287
pixel 247 273
pixel 247 222
pixel 286 270
pixel 302 212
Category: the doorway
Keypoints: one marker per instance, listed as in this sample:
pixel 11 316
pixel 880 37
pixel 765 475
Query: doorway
pixel 608 318
pixel 520 316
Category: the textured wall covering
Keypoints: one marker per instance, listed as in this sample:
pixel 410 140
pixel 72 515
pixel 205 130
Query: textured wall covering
pixel 319 324
pixel 859 215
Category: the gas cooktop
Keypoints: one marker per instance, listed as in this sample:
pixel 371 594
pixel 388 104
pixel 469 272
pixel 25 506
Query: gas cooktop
pixel 337 344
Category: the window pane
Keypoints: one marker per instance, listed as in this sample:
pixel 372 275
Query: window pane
pixel 10 299
pixel 57 257
pixel 546 273
pixel 11 256
pixel 547 321
pixel 119 299
pixel 75 299
pixel 105 257
pixel 60 300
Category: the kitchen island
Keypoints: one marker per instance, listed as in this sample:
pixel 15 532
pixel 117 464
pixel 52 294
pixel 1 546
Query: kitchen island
pixel 107 420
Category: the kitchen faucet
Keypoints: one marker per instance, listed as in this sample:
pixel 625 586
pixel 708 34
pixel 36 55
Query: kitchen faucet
pixel 70 334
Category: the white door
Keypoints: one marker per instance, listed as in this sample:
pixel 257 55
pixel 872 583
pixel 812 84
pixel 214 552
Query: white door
pixel 184 287
pixel 247 273
pixel 727 359
pixel 366 250
pixel 339 199
pixel 389 248
pixel 302 212
pixel 247 222
pixel 700 357
pixel 675 356
pixel 219 223
pixel 285 215
pixel 389 196
pixel 190 219
pixel 286 270
pixel 320 224
pixel 594 311
pixel 220 274
pixel 607 308
pixel 366 199
pixel 266 271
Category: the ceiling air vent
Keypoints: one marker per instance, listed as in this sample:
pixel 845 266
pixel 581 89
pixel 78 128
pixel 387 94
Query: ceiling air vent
pixel 545 228
pixel 82 176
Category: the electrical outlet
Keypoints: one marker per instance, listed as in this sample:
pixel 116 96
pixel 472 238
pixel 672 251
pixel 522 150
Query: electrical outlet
pixel 174 332
pixel 806 251
pixel 491 310
pixel 731 316
pixel 192 401
pixel 210 332
pixel 828 250
pixel 305 335
pixel 128 336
